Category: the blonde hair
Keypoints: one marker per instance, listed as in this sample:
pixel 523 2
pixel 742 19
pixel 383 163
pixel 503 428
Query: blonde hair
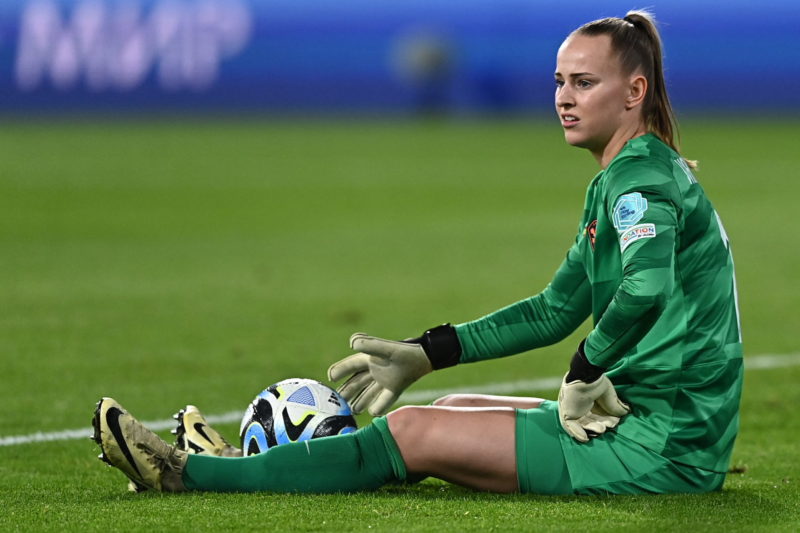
pixel 636 40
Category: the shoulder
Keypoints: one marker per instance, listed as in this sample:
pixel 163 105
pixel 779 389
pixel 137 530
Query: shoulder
pixel 643 160
pixel 646 165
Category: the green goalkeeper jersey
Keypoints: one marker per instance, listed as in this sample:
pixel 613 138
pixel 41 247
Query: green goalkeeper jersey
pixel 652 264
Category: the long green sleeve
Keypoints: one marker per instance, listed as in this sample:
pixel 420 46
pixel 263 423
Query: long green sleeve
pixel 533 322
pixel 648 272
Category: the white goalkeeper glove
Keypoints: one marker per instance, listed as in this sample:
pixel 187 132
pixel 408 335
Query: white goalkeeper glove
pixel 587 402
pixel 383 369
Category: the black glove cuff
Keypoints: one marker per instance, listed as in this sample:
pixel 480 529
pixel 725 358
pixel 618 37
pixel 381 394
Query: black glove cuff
pixel 441 345
pixel 580 369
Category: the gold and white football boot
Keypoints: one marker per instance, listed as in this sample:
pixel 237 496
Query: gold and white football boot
pixel 148 461
pixel 194 435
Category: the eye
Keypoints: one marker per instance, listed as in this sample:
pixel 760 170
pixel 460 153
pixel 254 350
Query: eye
pixel 583 84
pixel 559 84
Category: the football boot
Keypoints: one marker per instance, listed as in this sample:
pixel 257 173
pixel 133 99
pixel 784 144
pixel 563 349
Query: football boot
pixel 126 444
pixel 194 435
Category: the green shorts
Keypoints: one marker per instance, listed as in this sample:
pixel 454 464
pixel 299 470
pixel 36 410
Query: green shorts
pixel 541 466
pixel 608 464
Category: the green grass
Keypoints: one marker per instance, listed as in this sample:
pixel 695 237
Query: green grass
pixel 165 263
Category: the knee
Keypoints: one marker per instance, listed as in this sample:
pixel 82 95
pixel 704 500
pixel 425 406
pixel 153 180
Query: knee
pixel 411 428
pixel 451 400
pixel 407 423
pixel 455 400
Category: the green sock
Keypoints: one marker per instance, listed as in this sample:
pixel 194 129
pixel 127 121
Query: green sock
pixel 363 460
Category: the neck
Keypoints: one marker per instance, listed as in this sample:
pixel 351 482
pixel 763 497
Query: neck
pixel 617 142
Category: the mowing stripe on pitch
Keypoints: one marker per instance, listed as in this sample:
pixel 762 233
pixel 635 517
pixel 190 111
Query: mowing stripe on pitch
pixel 755 362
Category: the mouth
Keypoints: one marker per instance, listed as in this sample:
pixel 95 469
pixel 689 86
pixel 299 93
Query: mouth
pixel 569 121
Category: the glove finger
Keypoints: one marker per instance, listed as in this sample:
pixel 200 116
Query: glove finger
pixel 356 405
pixel 355 386
pixel 609 422
pixel 382 403
pixel 570 425
pixel 593 424
pixel 611 403
pixel 363 400
pixel 575 430
pixel 370 393
pixel 573 399
pixel 598 413
pixel 349 365
pixel 381 348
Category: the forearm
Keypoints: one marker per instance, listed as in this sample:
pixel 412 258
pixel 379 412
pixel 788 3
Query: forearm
pixel 638 303
pixel 525 325
pixel 538 321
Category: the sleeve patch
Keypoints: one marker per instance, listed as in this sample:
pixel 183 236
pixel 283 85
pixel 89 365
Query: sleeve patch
pixel 631 235
pixel 629 210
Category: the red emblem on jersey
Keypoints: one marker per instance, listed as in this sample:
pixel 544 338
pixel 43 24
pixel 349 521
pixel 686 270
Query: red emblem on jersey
pixel 591 231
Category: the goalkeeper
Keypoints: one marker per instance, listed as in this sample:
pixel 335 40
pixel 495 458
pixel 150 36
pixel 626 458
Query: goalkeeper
pixel 650 401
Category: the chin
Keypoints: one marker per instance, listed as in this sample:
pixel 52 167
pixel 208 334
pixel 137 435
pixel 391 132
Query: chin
pixel 575 139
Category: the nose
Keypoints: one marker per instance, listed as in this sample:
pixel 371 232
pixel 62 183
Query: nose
pixel 564 97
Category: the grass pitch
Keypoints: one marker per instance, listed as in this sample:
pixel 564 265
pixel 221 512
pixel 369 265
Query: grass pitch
pixel 197 262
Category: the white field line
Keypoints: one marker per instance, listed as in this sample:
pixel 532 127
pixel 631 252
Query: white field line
pixel 755 362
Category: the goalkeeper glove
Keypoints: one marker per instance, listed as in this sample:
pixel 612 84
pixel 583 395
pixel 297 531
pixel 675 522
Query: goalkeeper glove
pixel 383 369
pixel 587 402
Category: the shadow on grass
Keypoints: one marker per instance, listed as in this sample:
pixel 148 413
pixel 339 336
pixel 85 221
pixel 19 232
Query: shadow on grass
pixel 746 504
pixel 753 504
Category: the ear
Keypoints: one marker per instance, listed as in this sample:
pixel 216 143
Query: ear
pixel 637 90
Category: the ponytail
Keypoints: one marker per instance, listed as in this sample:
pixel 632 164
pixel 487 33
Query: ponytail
pixel 637 41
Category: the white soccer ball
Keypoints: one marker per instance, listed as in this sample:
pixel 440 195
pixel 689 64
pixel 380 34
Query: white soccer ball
pixel 294 410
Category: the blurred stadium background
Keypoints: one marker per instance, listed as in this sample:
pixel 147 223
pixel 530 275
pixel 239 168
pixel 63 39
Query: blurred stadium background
pixel 369 56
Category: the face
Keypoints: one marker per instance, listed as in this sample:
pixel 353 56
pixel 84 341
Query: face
pixel 592 93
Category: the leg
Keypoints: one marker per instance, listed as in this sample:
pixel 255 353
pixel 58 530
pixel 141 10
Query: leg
pixel 363 460
pixel 473 447
pixel 485 400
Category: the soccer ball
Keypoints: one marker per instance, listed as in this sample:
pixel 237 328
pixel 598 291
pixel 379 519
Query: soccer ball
pixel 294 410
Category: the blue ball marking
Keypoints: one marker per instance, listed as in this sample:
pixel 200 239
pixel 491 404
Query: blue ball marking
pixel 256 431
pixel 303 396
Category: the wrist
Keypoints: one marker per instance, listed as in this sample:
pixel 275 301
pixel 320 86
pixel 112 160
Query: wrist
pixel 441 345
pixel 581 369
